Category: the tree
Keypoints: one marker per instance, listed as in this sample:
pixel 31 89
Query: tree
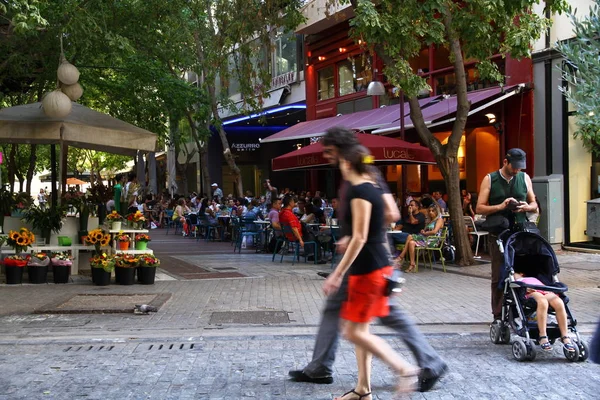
pixel 475 29
pixel 582 73
pixel 232 41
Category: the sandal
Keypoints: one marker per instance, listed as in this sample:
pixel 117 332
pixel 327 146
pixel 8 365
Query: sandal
pixel 546 346
pixel 411 268
pixel 568 346
pixel 360 396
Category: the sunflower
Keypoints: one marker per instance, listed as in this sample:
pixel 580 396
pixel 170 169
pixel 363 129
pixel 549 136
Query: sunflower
pixel 21 241
pixel 14 235
pixel 105 241
pixel 91 239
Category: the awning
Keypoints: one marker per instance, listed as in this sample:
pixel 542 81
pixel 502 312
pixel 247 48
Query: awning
pixel 360 121
pixel 386 150
pixel 83 127
pixel 442 112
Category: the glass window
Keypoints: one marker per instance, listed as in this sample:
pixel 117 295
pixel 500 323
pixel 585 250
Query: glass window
pixel 285 53
pixel 233 83
pixel 353 76
pixel 326 84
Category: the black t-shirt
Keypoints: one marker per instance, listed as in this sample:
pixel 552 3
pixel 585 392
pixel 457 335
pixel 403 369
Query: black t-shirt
pixel 375 254
pixel 413 229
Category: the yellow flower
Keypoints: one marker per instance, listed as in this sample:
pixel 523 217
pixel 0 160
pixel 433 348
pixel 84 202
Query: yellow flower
pixel 105 241
pixel 13 235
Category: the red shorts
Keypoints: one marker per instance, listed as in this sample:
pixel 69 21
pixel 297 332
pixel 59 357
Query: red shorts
pixel 366 296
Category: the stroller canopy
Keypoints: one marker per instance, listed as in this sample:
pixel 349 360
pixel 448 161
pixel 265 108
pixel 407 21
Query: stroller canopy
pixel 531 254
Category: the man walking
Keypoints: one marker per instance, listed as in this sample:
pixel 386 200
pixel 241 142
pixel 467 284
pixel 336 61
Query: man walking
pixel 507 192
pixel 320 369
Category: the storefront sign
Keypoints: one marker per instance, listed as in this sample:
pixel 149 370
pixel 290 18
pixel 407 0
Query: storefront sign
pixel 282 80
pixel 309 160
pixel 397 154
pixel 245 146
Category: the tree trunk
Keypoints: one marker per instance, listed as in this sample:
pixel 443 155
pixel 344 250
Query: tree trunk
pixel 12 167
pixel 32 161
pixel 205 178
pixel 141 174
pixel 152 183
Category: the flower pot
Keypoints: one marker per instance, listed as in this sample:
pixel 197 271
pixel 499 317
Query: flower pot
pixel 123 245
pixel 61 273
pixel 126 275
pixel 141 245
pixel 115 226
pixel 146 275
pixel 82 235
pixel 14 275
pixel 100 277
pixel 37 274
pixel 84 217
pixel 101 213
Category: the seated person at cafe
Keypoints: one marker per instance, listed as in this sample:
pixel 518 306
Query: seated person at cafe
pixel 299 209
pixel 318 210
pixel 147 207
pixel 335 202
pixel 411 224
pixel 274 215
pixel 309 214
pixel 287 217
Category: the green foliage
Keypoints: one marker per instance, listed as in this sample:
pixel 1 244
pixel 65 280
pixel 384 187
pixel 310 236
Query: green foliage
pixel 6 202
pixel 46 219
pixel 483 27
pixel 582 73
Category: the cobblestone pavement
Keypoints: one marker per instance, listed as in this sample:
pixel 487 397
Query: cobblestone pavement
pixel 256 367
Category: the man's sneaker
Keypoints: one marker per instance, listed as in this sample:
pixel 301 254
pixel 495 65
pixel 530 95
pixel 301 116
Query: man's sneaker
pixel 300 376
pixel 427 383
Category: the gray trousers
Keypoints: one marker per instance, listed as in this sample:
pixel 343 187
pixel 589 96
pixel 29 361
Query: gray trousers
pixel 328 338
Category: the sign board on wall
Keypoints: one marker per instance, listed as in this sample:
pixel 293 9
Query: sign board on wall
pixel 283 80
pixel 245 146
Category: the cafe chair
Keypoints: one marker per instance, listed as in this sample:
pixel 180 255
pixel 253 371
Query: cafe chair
pixel 295 246
pixel 472 228
pixel 434 245
pixel 176 224
pixel 247 228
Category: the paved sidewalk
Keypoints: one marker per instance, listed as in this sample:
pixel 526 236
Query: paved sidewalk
pixel 433 298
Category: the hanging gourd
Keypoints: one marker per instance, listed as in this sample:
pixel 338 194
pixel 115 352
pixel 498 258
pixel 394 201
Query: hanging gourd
pixel 56 104
pixel 67 72
pixel 73 91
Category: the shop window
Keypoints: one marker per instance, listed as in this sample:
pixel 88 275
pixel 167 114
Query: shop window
pixel 420 64
pixel 326 83
pixel 349 107
pixel 353 76
pixel 441 58
pixel 232 83
pixel 286 53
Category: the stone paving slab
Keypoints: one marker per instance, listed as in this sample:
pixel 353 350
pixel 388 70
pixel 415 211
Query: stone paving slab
pixel 256 368
pixel 102 303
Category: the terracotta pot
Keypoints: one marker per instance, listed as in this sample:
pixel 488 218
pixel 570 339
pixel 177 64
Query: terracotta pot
pixel 123 245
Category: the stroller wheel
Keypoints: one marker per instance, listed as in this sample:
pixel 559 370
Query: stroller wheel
pixel 584 351
pixel 572 356
pixel 505 335
pixel 519 350
pixel 531 353
pixel 495 332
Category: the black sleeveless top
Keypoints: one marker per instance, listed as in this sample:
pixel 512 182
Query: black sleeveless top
pixel 374 255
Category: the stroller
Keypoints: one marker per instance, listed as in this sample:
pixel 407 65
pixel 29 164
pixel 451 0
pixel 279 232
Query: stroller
pixel 531 254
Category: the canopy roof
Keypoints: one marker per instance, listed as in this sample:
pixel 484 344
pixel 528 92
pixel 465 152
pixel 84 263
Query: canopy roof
pixel 83 127
pixel 384 149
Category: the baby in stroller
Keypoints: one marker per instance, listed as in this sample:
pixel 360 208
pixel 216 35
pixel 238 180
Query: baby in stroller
pixel 545 299
pixel 532 292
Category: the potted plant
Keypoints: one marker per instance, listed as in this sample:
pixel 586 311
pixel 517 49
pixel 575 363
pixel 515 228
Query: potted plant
pixel 102 267
pixel 123 239
pixel 99 195
pixel 61 266
pixel 46 220
pixel 136 219
pixel 98 238
pixel 115 219
pixel 6 206
pixel 13 265
pixel 37 268
pixel 21 201
pixel 147 268
pixel 141 241
pixel 125 265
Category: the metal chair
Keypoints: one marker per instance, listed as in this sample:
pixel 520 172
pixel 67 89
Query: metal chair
pixel 176 224
pixel 247 228
pixel 295 245
pixel 475 232
pixel 433 244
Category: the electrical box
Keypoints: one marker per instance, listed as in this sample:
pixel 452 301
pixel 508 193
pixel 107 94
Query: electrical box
pixel 549 191
pixel 593 218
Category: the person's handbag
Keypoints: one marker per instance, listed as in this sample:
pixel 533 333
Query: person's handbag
pixel 394 282
pixel 494 224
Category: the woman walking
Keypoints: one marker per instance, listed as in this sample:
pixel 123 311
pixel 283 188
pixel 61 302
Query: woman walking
pixel 367 257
